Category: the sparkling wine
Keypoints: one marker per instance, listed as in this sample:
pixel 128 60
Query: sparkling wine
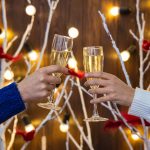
pixel 93 63
pixel 59 58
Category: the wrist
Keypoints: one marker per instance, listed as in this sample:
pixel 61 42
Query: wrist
pixel 22 92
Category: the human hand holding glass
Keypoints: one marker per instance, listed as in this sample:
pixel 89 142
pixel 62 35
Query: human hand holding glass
pixel 61 48
pixel 93 58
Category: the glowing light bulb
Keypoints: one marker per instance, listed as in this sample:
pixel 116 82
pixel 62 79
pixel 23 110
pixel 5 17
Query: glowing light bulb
pixel 29 128
pixel 64 127
pixel 72 63
pixel 125 55
pixel 135 137
pixel 2 34
pixel 8 74
pixel 114 11
pixel 33 55
pixel 73 32
pixel 30 10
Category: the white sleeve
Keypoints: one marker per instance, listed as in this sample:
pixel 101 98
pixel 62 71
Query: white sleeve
pixel 141 104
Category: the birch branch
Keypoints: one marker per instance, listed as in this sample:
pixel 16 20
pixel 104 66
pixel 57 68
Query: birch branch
pixel 67 142
pixel 147 67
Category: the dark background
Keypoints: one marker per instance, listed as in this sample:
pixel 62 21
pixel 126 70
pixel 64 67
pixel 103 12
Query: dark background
pixel 82 14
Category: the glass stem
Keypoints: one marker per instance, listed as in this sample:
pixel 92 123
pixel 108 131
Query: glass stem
pixel 51 97
pixel 95 111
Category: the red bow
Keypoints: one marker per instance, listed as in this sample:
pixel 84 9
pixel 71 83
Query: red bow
pixel 8 56
pixel 27 136
pixel 112 124
pixel 146 45
pixel 73 72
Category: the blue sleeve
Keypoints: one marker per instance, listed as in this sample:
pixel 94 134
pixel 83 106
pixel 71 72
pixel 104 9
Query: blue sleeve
pixel 11 102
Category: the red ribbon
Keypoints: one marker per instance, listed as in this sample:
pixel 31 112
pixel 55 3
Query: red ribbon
pixel 146 45
pixel 112 124
pixel 27 136
pixel 8 56
pixel 73 72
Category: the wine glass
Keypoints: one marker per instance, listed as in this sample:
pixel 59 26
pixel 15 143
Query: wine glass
pixel 93 59
pixel 60 53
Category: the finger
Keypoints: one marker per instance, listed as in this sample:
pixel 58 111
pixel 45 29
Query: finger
pixel 100 91
pixel 101 82
pixel 102 99
pixel 54 80
pixel 50 87
pixel 103 75
pixel 55 69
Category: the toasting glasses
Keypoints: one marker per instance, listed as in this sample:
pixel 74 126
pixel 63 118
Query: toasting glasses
pixel 60 53
pixel 93 59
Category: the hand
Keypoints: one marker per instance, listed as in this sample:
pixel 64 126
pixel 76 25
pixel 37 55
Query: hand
pixel 40 84
pixel 111 87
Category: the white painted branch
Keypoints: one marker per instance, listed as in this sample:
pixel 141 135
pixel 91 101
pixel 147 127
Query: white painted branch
pixel 79 127
pixel 147 67
pixel 146 58
pixel 10 43
pixel 81 141
pixel 43 142
pixel 67 141
pixel 115 47
pixel 69 134
pixel 84 110
pixel 4 19
pixel 12 139
pixel 50 15
pixel 134 36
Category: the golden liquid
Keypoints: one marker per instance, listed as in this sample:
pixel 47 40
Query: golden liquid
pixel 93 63
pixel 59 58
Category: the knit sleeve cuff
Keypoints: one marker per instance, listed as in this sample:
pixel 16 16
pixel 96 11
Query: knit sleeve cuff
pixel 11 102
pixel 141 104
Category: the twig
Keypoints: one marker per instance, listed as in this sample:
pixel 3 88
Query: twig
pixel 12 139
pixel 146 58
pixel 147 67
pixel 134 36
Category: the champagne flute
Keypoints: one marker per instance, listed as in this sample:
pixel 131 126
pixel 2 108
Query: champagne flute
pixel 93 59
pixel 60 53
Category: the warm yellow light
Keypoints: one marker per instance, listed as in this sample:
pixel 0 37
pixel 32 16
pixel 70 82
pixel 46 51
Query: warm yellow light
pixel 73 32
pixel 134 136
pixel 2 34
pixel 114 11
pixel 125 55
pixel 33 55
pixel 30 10
pixel 29 128
pixel 8 75
pixel 64 127
pixel 72 63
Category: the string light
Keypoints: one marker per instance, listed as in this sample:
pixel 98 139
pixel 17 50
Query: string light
pixel 114 11
pixel 72 63
pixel 64 126
pixel 33 55
pixel 2 34
pixel 73 32
pixel 30 10
pixel 28 125
pixel 134 136
pixel 8 74
pixel 125 55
